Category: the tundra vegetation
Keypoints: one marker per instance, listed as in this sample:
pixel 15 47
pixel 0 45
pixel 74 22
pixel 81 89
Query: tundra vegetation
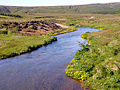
pixel 23 33
pixel 107 8
pixel 97 63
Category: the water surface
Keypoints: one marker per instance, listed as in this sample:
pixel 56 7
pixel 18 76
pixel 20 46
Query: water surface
pixel 43 69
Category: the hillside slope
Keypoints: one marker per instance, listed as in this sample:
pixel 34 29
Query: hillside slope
pixel 4 9
pixel 108 8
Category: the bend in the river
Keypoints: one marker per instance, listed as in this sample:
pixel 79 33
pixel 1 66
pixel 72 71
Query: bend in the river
pixel 43 69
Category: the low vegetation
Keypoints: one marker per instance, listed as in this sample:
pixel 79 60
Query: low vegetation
pixel 16 44
pixel 18 37
pixel 109 8
pixel 10 15
pixel 30 27
pixel 63 30
pixel 98 63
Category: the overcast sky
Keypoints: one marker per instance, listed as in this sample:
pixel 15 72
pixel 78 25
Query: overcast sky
pixel 51 2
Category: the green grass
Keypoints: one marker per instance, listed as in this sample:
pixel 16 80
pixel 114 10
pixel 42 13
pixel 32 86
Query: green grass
pixel 12 44
pixel 99 61
pixel 10 15
pixel 62 31
pixel 110 8
pixel 97 64
pixel 6 17
pixel 15 44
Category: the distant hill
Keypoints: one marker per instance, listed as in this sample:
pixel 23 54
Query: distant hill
pixel 4 9
pixel 108 8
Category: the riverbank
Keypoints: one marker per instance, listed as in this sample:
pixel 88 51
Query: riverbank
pixel 18 38
pixel 63 30
pixel 15 44
pixel 97 64
pixel 41 67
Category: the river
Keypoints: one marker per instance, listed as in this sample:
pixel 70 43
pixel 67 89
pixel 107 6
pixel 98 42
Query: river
pixel 43 69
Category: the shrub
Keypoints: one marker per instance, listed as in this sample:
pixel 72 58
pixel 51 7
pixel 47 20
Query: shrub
pixel 3 31
pixel 33 27
pixel 16 29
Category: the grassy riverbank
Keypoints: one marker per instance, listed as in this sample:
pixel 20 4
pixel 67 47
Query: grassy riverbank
pixel 62 31
pixel 16 44
pixel 18 36
pixel 12 44
pixel 98 63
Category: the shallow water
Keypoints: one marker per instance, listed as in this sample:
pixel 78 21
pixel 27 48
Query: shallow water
pixel 43 69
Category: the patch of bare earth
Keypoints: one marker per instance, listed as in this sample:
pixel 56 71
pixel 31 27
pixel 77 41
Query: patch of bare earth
pixel 38 28
pixel 63 26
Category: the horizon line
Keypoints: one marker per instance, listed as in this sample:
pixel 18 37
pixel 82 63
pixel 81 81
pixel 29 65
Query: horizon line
pixel 58 5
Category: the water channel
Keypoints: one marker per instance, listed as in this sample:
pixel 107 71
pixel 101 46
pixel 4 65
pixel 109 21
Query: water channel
pixel 43 69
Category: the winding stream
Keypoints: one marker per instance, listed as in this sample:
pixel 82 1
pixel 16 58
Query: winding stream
pixel 43 69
